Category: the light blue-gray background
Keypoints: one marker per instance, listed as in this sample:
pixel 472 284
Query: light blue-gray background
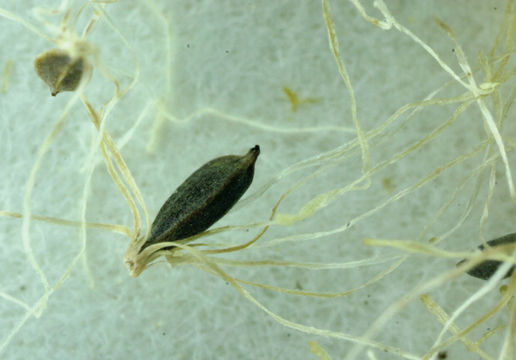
pixel 214 71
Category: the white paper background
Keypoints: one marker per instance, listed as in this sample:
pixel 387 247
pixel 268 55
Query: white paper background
pixel 219 78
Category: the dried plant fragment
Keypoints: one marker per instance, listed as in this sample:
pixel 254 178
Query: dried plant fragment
pixel 200 201
pixel 5 75
pixel 487 268
pixel 60 71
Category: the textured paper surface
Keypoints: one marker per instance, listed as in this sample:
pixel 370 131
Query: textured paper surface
pixel 215 78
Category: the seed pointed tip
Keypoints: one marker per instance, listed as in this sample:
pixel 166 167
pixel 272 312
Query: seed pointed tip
pixel 253 153
pixel 256 149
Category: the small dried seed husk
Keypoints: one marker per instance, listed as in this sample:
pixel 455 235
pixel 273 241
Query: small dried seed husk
pixel 487 268
pixel 202 199
pixel 60 71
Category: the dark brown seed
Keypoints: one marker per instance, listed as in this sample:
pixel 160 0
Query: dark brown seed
pixel 203 198
pixel 487 268
pixel 59 70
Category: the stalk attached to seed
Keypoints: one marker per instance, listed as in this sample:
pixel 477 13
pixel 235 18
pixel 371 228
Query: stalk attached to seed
pixel 200 201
